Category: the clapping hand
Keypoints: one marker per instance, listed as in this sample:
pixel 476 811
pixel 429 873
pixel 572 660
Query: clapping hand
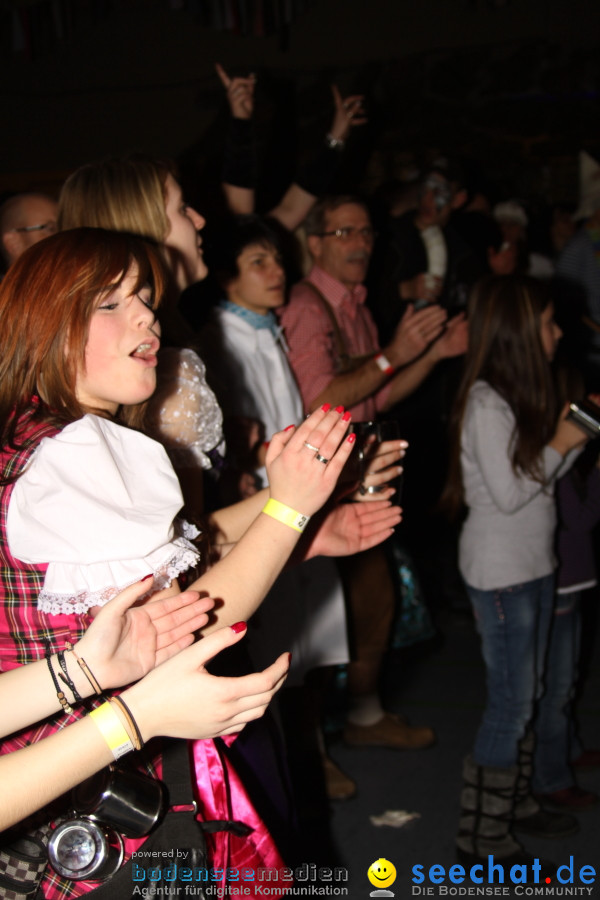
pixel 127 638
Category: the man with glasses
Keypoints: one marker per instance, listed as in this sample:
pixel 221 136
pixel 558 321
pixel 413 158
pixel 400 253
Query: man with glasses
pixel 336 359
pixel 25 219
pixel 333 341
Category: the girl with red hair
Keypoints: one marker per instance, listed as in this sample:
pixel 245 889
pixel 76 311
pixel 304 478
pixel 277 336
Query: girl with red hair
pixel 88 504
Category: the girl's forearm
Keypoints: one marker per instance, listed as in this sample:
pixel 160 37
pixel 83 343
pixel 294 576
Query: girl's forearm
pixel 34 776
pixel 243 578
pixel 34 682
pixel 233 521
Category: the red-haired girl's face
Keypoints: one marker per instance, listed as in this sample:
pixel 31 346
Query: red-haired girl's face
pixel 120 355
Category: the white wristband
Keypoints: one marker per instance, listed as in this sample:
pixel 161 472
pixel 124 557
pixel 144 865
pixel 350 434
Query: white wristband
pixel 384 363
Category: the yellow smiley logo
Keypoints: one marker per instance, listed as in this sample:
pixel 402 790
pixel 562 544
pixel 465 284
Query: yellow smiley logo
pixel 382 873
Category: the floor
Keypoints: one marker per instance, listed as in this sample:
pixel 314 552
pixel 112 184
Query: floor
pixel 441 683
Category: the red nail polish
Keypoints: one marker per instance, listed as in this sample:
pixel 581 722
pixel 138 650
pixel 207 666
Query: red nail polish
pixel 346 417
pixel 289 658
pixel 266 444
pixel 238 627
pixel 351 438
pixel 339 409
pixel 289 427
pixel 146 577
pixel 326 407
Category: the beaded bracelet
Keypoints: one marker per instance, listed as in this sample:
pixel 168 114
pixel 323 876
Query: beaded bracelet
pixel 66 678
pixel 286 514
pixel 60 694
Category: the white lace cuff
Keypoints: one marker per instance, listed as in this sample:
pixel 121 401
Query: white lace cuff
pixel 171 561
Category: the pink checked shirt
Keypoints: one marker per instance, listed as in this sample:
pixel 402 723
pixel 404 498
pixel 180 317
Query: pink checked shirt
pixel 310 335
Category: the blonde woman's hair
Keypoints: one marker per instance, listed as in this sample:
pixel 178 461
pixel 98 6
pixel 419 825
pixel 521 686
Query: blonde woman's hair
pixel 126 194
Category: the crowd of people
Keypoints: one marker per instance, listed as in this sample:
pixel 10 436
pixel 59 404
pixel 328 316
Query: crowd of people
pixel 149 447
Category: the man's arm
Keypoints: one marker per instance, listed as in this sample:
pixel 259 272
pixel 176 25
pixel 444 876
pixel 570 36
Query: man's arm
pixel 414 333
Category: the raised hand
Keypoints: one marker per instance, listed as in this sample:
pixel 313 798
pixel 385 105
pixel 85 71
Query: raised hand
pixel 348 112
pixel 568 436
pixel 181 699
pixel 414 333
pixel 124 641
pixel 348 528
pixel 240 93
pixel 455 339
pixel 304 463
pixel 380 467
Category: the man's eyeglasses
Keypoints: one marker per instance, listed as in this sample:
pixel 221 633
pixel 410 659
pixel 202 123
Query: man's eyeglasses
pixel 50 227
pixel 348 234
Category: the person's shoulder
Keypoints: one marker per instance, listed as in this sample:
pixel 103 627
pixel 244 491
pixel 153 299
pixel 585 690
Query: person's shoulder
pixel 303 297
pixel 104 434
pixel 579 243
pixel 483 394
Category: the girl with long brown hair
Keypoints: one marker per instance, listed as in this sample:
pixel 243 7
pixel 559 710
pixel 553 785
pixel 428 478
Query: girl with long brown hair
pixel 509 443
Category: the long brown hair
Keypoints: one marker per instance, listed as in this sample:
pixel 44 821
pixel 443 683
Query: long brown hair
pixel 505 350
pixel 46 302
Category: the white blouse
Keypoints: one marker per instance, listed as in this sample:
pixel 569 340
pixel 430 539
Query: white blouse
pixel 97 503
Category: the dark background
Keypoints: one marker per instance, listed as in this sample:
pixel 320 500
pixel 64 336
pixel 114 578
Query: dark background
pixel 512 84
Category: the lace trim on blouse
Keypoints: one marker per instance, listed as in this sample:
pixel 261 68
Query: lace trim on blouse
pixel 184 557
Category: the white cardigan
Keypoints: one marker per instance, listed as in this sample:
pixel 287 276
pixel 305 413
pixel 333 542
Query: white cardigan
pixel 508 536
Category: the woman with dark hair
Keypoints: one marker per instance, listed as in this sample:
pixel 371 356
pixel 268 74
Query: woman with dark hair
pixel 246 357
pixel 509 444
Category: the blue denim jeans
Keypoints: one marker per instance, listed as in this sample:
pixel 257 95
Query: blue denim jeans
pixel 556 739
pixel 514 624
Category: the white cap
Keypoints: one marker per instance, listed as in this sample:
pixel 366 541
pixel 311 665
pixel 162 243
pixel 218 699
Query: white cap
pixel 510 212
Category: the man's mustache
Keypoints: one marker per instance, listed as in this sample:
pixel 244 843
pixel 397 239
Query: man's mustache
pixel 358 256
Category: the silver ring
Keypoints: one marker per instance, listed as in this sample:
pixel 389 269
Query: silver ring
pixel 371 489
pixel 321 459
pixel 311 446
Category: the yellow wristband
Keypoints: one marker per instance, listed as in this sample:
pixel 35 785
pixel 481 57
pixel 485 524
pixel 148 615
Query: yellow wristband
pixel 112 730
pixel 286 514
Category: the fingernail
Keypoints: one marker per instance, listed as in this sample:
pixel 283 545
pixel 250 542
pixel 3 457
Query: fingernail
pixel 339 409
pixel 289 658
pixel 146 577
pixel 266 444
pixel 238 627
pixel 326 407
pixel 346 417
pixel 289 427
pixel 351 438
